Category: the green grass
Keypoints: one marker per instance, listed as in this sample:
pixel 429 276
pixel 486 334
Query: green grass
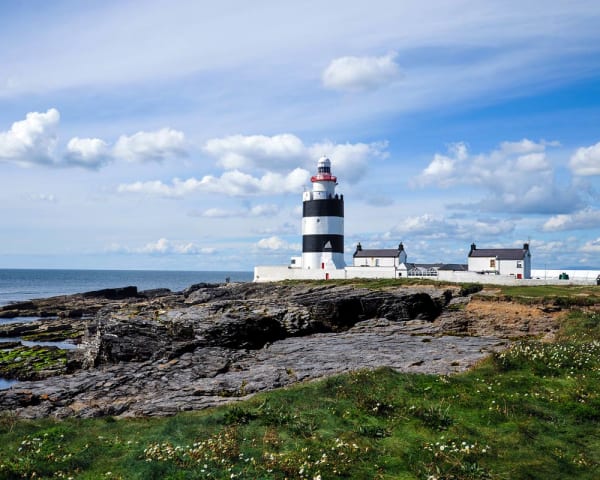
pixel 530 412
pixel 560 295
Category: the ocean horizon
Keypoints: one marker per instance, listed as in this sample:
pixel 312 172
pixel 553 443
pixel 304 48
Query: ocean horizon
pixel 18 285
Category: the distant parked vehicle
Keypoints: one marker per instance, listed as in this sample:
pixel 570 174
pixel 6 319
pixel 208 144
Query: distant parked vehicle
pixel 598 280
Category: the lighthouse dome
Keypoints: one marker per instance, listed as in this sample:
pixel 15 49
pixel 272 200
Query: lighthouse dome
pixel 324 165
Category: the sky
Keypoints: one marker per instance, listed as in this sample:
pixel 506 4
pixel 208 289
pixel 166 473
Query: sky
pixel 180 135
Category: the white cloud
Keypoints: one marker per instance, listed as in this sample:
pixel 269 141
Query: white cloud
pixel 591 246
pixel 523 146
pixel 151 146
pixel 440 169
pixel 254 211
pixel 349 161
pixel 517 176
pixel 281 152
pixel 361 73
pixel 43 197
pixel 164 246
pixel 285 228
pixel 277 244
pixel 34 141
pixel 425 225
pixel 429 226
pixel 586 161
pixel 585 219
pixel 278 152
pixel 532 162
pixel 87 152
pixel 234 183
pixel 31 141
pixel 263 210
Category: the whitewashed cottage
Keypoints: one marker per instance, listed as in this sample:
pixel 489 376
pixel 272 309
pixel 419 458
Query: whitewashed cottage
pixel 501 261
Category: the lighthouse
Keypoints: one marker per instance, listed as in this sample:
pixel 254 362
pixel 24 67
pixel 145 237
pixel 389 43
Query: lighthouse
pixel 323 221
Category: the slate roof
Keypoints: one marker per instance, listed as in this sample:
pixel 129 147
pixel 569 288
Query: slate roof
pixel 379 252
pixel 500 253
pixel 453 267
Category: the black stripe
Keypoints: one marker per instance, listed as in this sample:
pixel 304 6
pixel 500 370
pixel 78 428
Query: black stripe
pixel 316 243
pixel 330 207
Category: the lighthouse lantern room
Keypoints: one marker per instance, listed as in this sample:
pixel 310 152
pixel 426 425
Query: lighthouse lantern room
pixel 323 221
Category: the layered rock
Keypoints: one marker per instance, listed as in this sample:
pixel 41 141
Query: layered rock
pixel 166 352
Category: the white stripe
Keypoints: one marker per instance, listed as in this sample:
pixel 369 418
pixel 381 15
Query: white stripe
pixel 322 226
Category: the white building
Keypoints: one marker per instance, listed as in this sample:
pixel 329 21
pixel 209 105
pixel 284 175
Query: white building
pixel 514 262
pixel 382 257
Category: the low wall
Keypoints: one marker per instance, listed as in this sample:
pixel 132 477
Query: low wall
pixel 583 275
pixel 472 277
pixel 371 272
pixel 277 273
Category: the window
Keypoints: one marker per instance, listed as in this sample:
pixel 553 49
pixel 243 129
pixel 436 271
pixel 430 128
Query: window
pixel 492 263
pixel 519 264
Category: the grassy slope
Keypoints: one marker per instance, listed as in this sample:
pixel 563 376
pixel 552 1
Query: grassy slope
pixel 533 412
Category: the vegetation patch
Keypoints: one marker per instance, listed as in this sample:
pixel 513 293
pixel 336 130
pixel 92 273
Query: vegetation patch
pixel 31 363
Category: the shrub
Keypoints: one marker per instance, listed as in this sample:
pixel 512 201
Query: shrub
pixel 469 289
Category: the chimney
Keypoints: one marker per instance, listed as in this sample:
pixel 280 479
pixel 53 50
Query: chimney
pixel 358 248
pixel 473 247
pixel 401 247
pixel 525 246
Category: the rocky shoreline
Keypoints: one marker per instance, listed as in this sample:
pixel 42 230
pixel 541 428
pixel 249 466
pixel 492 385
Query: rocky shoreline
pixel 159 352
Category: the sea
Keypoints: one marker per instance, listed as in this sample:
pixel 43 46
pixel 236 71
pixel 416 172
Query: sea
pixel 18 285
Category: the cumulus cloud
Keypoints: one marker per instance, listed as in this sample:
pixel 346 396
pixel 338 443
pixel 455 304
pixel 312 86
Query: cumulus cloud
pixel 586 161
pixel 164 246
pixel 517 176
pixel 279 153
pixel 585 219
pixel 349 161
pixel 361 73
pixel 249 151
pixel 31 141
pixel 87 152
pixel 277 244
pixel 150 146
pixel 525 146
pixel 431 227
pixel 34 141
pixel 233 183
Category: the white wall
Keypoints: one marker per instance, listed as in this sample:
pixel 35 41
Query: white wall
pixel 544 274
pixel 371 272
pixel 277 273
pixel 480 264
pixel 504 267
pixel 491 279
pixel 372 261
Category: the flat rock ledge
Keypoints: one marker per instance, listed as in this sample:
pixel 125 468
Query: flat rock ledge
pixel 216 344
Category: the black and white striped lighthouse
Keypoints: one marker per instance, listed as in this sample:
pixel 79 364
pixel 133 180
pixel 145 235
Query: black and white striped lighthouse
pixel 323 222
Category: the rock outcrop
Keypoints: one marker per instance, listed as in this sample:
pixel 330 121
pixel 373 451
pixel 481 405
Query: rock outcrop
pixel 163 352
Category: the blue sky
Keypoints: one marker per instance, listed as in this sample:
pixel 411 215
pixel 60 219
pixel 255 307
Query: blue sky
pixel 180 135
